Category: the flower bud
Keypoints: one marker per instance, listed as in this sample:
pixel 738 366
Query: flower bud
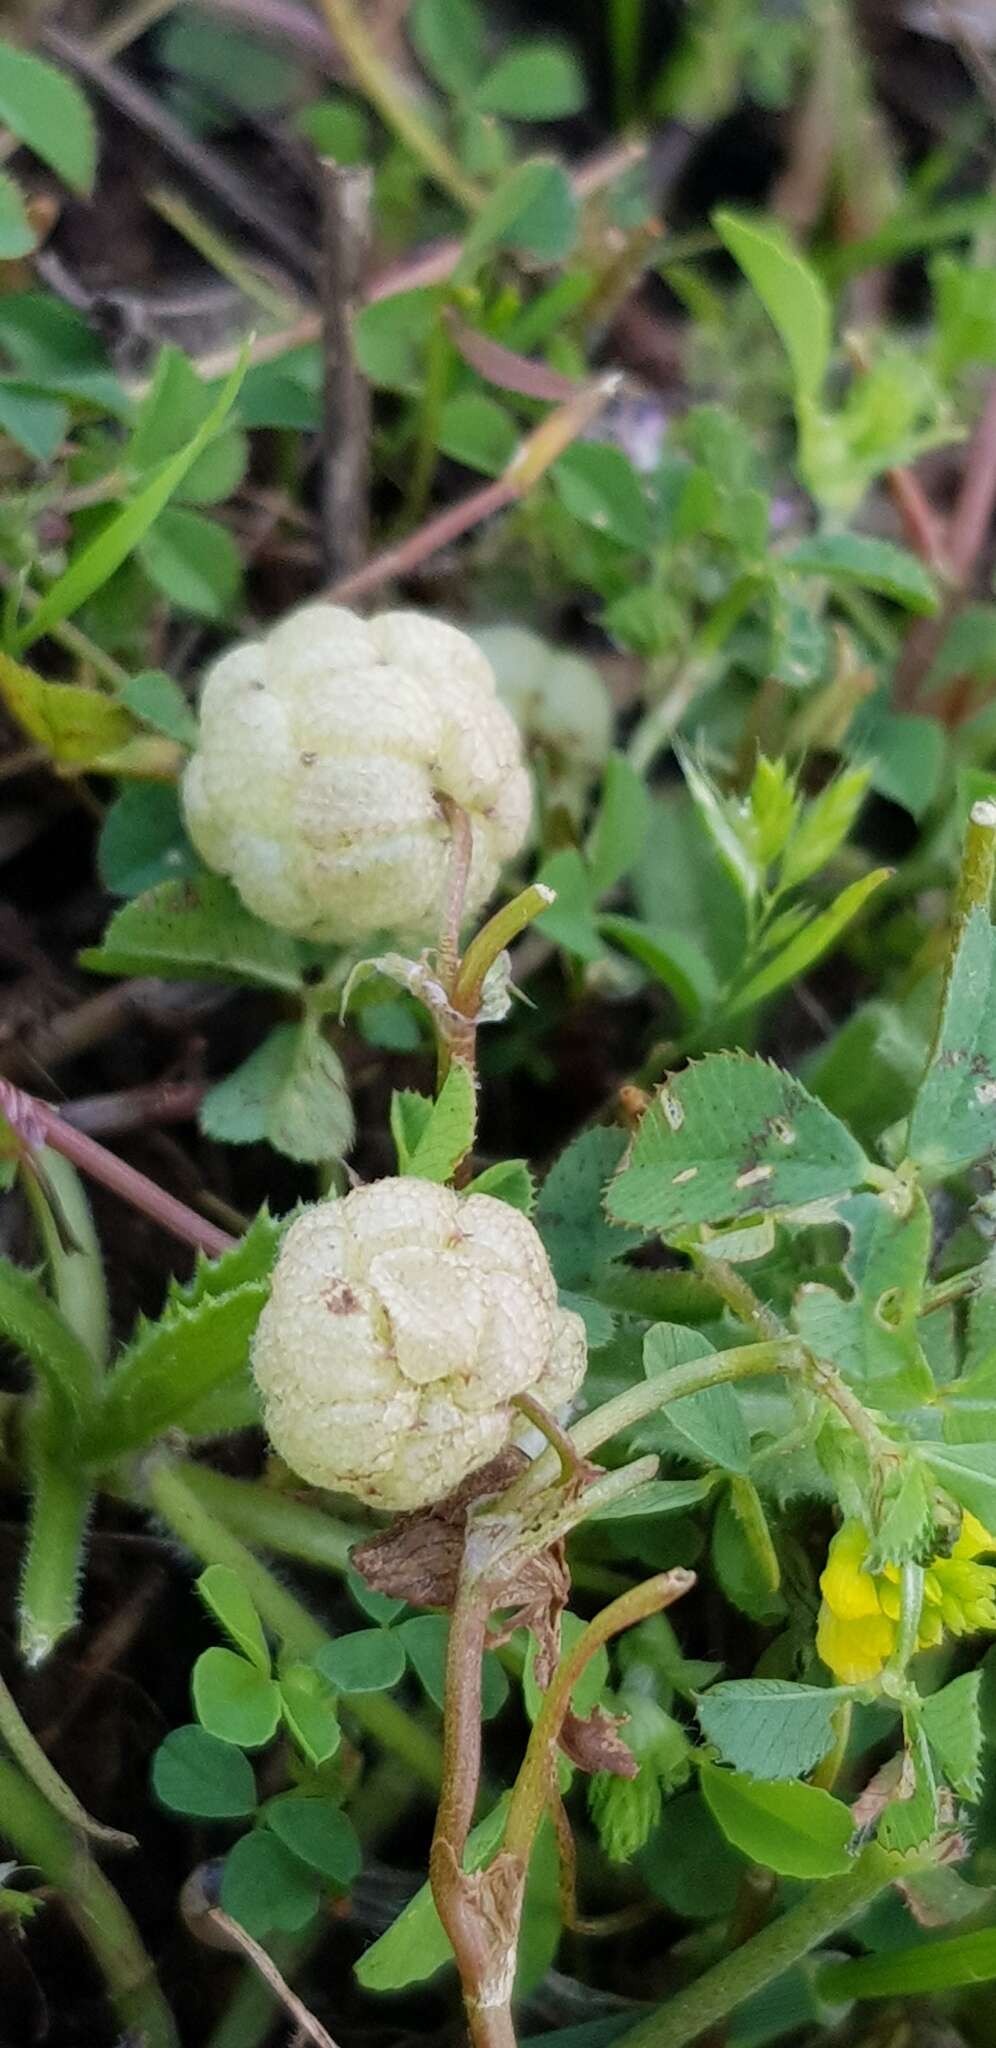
pixel 325 755
pixel 402 1320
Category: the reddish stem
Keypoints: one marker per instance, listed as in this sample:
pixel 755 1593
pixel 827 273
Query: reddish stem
pixel 36 1123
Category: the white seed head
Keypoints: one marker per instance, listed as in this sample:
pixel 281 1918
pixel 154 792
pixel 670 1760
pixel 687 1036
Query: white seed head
pixel 402 1320
pixel 323 753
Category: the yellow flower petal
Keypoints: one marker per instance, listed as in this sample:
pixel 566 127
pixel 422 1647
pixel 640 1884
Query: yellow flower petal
pixel 973 1538
pixel 849 1590
pixel 854 1650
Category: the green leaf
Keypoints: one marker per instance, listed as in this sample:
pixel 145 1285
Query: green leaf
pixel 769 1728
pixel 946 1964
pixel 744 1557
pixel 711 1423
pixel 36 423
pixel 791 293
pixel 251 1259
pixel 78 727
pixel 142 841
pixel 658 1497
pixel 233 1700
pixel 430 1145
pixel 159 701
pixel 291 1091
pixel 726 1137
pixel 620 826
pixel 96 563
pixel 906 753
pixel 171 1366
pixel 796 1830
pixel 47 111
pixel 951 1722
pixel 266 1889
pixel 724 828
pixel 873 1337
pixel 509 1180
pixel 873 564
pixel 308 1708
pixel 476 430
pixel 533 81
pixel 533 211
pixel 197 930
pixel 569 1211
pixel 968 1471
pixel 808 945
pixel 449 37
pixel 196 1773
pixel 316 1831
pixel 61 1361
pixel 17 236
pixel 194 562
pixel 570 921
pixel 231 1603
pixel 390 338
pixel 371 1660
pixel 669 956
pixel 954 1116
pixel 965 295
pixel 599 486
pixel 823 826
pixel 426 1640
pixel 415 1946
pixel 690 1864
pixel 337 127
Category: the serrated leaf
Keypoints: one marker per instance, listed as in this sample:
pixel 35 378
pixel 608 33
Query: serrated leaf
pixel 196 1773
pixel 231 1603
pixel 47 111
pixel 96 563
pixel 951 1721
pixel 318 1832
pixel 731 843
pixel 76 726
pixel 824 825
pixel 791 293
pixel 233 1700
pixel 874 564
pixel 906 1528
pixel 873 1337
pixel 196 930
pixel 570 1216
pixel 968 1471
pixel 369 1660
pixel 710 1424
pixel 266 1889
pixel 415 1946
pixel 796 1830
pixel 308 1709
pixel 509 1180
pixel 171 1366
pixel 291 1091
pixel 728 1136
pixel 808 945
pixel 431 1140
pixel 61 1361
pixel 954 1116
pixel 768 1727
pixel 250 1259
pixel 910 1822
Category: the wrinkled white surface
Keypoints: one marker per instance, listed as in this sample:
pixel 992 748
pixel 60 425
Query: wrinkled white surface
pixel 402 1318
pixel 322 752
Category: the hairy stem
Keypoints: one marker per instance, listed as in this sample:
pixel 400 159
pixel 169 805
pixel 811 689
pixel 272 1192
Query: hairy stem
pixel 275 1521
pixel 18 1739
pixel 48 1598
pixel 739 1976
pixel 379 1716
pixel 40 1836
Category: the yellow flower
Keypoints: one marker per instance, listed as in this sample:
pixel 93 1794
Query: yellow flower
pixel 859 1617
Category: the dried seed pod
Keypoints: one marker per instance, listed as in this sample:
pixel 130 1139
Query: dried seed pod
pixel 326 756
pixel 402 1321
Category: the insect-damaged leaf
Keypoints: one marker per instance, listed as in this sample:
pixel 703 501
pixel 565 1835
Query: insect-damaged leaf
pixel 726 1137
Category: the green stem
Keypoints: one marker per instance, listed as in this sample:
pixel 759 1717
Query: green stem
pixel 38 1835
pixel 494 938
pixel 76 1272
pixel 425 456
pixel 376 79
pixel 29 1754
pixel 274 1521
pixel 739 1976
pixel 207 1537
pixel 48 1602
